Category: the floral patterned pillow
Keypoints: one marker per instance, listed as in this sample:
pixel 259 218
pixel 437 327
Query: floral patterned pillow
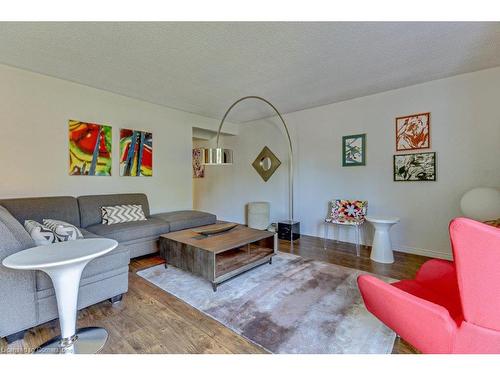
pixel 346 211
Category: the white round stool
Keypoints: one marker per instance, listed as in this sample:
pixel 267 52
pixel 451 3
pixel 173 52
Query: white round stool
pixel 381 246
pixel 64 263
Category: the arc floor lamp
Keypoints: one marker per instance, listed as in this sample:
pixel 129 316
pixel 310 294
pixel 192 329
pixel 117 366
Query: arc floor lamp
pixel 288 229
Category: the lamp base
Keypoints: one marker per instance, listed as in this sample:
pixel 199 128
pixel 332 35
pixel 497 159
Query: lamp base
pixel 288 230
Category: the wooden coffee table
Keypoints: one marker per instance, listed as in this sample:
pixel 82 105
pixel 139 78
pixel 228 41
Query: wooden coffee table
pixel 218 257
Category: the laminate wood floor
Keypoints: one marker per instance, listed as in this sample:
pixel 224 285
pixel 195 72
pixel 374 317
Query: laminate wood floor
pixel 149 320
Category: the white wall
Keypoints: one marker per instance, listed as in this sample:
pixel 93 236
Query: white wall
pixel 226 190
pixel 34 114
pixel 465 133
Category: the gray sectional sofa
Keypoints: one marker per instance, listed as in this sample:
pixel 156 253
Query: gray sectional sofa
pixel 27 298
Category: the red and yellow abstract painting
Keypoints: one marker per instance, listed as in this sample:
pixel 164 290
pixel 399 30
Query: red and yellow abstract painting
pixel 413 132
pixel 89 149
pixel 136 153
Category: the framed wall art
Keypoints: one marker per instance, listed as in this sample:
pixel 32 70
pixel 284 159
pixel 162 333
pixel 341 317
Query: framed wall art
pixel 266 163
pixel 354 150
pixel 198 167
pixel 89 149
pixel 413 132
pixel 136 153
pixel 415 167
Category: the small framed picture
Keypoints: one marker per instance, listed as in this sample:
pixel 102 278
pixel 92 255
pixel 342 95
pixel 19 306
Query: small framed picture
pixel 415 167
pixel 354 150
pixel 413 132
pixel 198 167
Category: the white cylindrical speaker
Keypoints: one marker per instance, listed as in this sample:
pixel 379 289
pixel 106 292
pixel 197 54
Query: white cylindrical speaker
pixel 258 215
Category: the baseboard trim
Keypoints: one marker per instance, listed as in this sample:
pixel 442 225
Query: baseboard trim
pixel 405 249
pixel 423 252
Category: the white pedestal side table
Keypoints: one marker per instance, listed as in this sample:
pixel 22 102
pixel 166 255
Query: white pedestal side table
pixel 382 246
pixel 64 263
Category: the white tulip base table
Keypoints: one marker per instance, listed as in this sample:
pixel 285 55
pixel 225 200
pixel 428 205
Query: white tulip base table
pixel 88 340
pixel 382 246
pixel 64 263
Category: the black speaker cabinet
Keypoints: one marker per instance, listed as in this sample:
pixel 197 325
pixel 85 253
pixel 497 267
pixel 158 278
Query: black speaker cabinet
pixel 288 230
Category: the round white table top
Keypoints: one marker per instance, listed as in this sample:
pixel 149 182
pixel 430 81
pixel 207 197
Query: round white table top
pixel 382 220
pixel 59 254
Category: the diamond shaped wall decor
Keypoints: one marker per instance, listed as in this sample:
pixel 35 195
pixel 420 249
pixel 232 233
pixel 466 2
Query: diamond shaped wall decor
pixel 266 163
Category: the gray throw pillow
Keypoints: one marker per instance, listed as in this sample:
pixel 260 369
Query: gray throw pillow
pixel 62 230
pixel 41 234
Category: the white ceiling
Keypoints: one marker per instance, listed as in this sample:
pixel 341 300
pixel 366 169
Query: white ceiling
pixel 203 67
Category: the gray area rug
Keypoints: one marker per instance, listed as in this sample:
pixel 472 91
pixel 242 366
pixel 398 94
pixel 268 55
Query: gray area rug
pixel 294 305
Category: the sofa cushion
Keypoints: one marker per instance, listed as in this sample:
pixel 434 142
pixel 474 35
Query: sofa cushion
pixel 117 258
pixel 142 247
pixel 180 220
pixel 13 237
pixel 133 230
pixel 90 205
pixel 17 304
pixel 87 234
pixel 59 208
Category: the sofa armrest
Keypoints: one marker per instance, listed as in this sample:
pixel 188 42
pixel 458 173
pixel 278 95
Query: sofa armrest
pixel 425 325
pixel 18 309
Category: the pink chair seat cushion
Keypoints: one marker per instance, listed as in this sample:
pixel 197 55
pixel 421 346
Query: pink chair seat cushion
pixel 450 301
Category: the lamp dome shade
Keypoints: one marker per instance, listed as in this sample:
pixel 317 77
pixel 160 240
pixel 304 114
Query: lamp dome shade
pixel 481 204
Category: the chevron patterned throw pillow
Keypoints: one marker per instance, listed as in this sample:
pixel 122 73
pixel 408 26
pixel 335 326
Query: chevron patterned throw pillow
pixel 40 234
pixel 122 214
pixel 62 230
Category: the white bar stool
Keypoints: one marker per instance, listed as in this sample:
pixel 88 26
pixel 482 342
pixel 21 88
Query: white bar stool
pixel 382 246
pixel 64 263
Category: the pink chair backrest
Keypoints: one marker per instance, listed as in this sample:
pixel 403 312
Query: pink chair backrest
pixel 476 251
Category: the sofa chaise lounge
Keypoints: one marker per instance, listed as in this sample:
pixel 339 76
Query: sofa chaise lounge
pixel 28 298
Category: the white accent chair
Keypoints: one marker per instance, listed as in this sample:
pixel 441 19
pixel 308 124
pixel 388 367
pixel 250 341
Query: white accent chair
pixel 346 212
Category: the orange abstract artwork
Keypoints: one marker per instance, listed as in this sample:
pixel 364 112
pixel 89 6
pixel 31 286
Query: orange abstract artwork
pixel 413 132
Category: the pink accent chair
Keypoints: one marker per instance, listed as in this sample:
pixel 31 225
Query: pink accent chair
pixel 450 307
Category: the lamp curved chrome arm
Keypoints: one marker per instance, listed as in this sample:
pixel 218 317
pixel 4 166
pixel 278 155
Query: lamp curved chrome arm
pixel 221 156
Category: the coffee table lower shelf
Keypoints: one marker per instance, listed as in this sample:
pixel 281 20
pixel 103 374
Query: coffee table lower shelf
pixel 234 262
pixel 221 265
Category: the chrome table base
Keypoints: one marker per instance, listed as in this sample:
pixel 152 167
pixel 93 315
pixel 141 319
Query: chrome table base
pixel 88 340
